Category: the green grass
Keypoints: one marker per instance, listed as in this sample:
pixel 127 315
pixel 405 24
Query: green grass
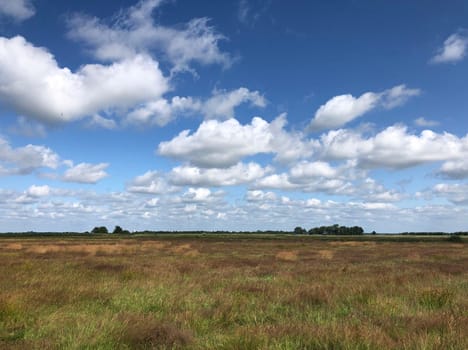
pixel 242 292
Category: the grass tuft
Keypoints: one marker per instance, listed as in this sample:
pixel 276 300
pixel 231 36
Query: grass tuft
pixel 145 332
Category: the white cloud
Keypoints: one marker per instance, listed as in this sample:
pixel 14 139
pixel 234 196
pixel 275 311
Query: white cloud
pixel 25 160
pixel 260 196
pixel 198 195
pixel 223 144
pixel 34 85
pixel 336 186
pixel 453 50
pixel 20 211
pixel 162 111
pixel 86 173
pixel 397 96
pixel 455 193
pixel 425 123
pixel 221 105
pixel 373 206
pixel 102 122
pixel 344 108
pixel 134 31
pixel 150 182
pixel 19 10
pixel 455 169
pixel 38 191
pixel 276 181
pixel 306 170
pixel 320 177
pixel 394 147
pixel 234 175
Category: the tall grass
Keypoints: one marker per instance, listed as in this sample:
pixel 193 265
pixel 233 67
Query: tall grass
pixel 215 293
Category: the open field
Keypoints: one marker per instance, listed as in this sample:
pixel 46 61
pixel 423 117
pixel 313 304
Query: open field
pixel 243 293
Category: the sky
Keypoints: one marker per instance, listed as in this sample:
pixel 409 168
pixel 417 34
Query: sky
pixel 233 115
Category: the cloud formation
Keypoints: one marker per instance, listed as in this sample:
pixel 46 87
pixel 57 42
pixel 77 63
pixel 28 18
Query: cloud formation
pixel 151 182
pixel 134 32
pixel 453 50
pixel 222 144
pixel 455 169
pixel 220 105
pixel 86 173
pixel 19 10
pixel 214 177
pixel 33 84
pixel 455 193
pixel 393 148
pixel 342 109
pixel 25 160
pixel 425 123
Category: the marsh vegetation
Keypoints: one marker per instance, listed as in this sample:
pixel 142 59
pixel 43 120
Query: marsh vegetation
pixel 223 293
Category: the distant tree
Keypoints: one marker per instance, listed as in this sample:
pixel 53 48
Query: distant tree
pixel 100 229
pixel 336 230
pixel 315 231
pixel 117 230
pixel 373 232
pixel 300 231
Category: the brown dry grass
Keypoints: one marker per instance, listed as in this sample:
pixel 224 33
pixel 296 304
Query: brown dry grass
pixel 326 254
pixel 287 255
pixel 217 293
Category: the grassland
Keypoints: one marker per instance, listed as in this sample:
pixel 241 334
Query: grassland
pixel 219 292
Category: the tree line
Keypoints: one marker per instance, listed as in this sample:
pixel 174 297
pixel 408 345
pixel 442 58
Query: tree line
pixel 103 229
pixel 330 230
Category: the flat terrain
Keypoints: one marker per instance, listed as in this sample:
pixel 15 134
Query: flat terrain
pixel 242 293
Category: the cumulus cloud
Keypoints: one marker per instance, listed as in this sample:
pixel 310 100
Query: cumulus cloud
pixel 453 50
pixel 151 182
pixel 425 123
pixel 306 170
pixel 198 195
pixel 307 183
pixel 34 208
pixel 455 169
pixel 19 10
pixel 221 144
pixel 397 96
pixel 102 122
pixel 344 108
pixel 393 148
pixel 161 112
pixel 260 196
pixel 234 175
pixel 38 191
pixel 455 193
pixel 25 160
pixel 133 31
pixel 86 173
pixel 221 105
pixel 321 177
pixel 34 85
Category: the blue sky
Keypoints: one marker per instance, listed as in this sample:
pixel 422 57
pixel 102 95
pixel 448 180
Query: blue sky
pixel 233 115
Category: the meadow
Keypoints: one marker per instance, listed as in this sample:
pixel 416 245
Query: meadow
pixel 232 292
